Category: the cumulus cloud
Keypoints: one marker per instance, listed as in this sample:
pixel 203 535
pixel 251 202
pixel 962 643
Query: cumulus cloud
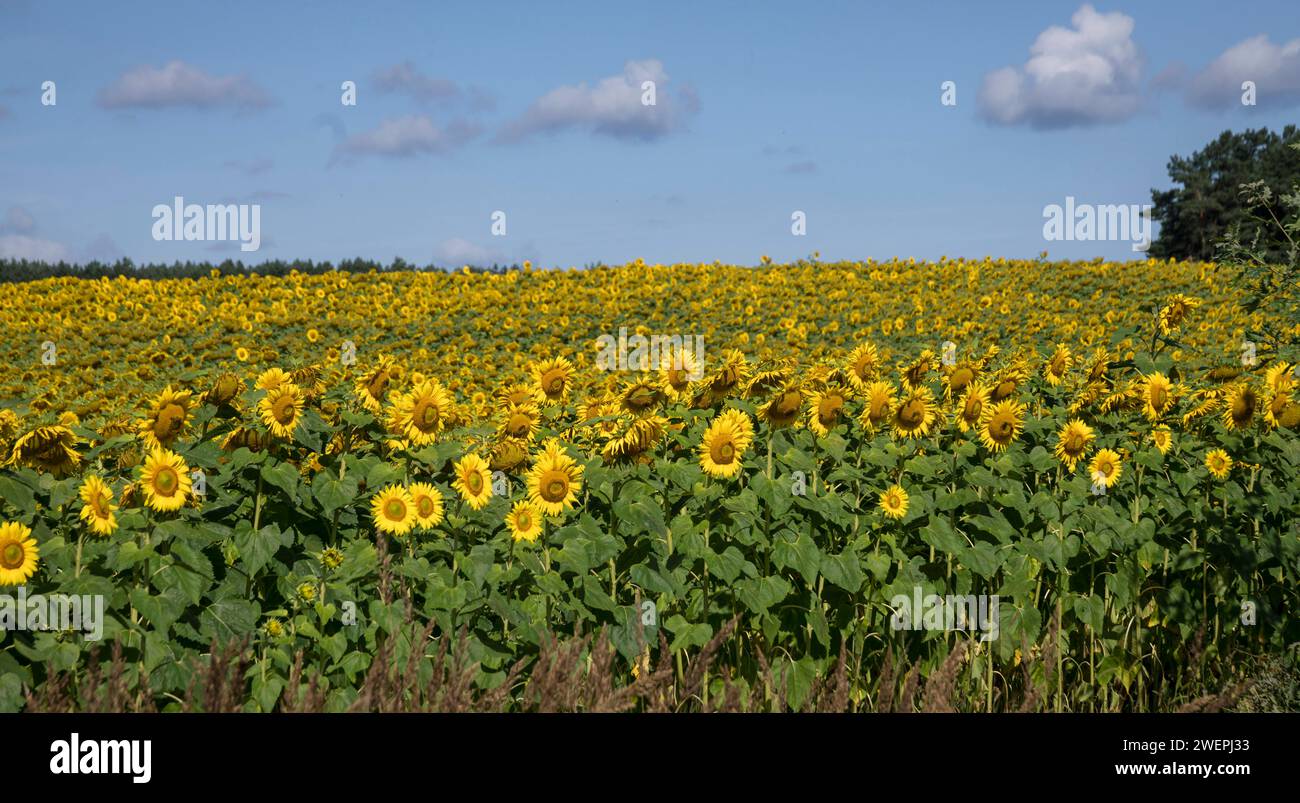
pixel 457 252
pixel 177 84
pixel 807 166
pixel 20 246
pixel 407 136
pixel 1274 68
pixel 1083 75
pixel 613 107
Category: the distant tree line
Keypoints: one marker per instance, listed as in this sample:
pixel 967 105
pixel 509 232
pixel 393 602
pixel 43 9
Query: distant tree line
pixel 24 270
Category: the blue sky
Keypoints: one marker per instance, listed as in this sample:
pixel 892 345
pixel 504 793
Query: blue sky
pixel 533 109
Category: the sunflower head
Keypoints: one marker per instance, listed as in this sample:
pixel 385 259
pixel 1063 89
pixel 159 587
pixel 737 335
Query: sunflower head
pixel 724 442
pixel 1105 468
pixel 878 405
pixel 914 413
pixel 426 500
pixel 1162 439
pixel 827 409
pixel 97 509
pixel 863 366
pixel 473 481
pixel 893 502
pixel 393 510
pixel 1218 462
pixel 1002 423
pixel 555 480
pixel 1157 395
pixel 51 449
pixel 165 480
pixel 281 409
pixel 554 377
pixel 1058 364
pixel 524 521
pixel 1239 409
pixel 1072 443
pixel 19 554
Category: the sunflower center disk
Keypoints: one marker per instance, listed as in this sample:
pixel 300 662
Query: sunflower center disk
pixel 166 481
pixel 395 510
pixel 556 489
pixel 12 556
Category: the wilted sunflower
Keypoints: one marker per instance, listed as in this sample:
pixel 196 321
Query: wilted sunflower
pixel 428 505
pixel 224 391
pixel 509 454
pixel 372 387
pixel 1157 395
pixel 524 521
pixel 915 374
pixel 555 480
pixel 1008 381
pixel 281 409
pixel 393 510
pixel 1174 311
pixel 553 378
pixel 1001 424
pixel 728 379
pixel 1056 367
pixel 1218 462
pixel 914 414
pixel 47 448
pixel 473 481
pixel 520 393
pixel 243 437
pixel 165 480
pixel 1239 410
pixel 1209 402
pixel 878 406
pixel 782 409
pixel 19 554
pixel 893 502
pixel 1105 468
pixel 863 366
pixel 642 397
pixel 98 507
pixel 167 418
pixel 1280 376
pixel 633 438
pixel 724 443
pixel 826 409
pixel 1072 443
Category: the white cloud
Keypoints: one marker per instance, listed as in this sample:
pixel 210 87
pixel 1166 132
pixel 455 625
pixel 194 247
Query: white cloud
pixel 20 246
pixel 407 136
pixel 180 84
pixel 613 107
pixel 457 252
pixel 405 78
pixel 1090 73
pixel 18 221
pixel 1275 69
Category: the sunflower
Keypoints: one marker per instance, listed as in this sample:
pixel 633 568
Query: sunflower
pixel 473 481
pixel 509 454
pixel 1072 443
pixel 914 414
pixel 224 390
pixel 47 448
pixel 419 416
pixel 555 480
pixel 519 393
pixel 372 387
pixel 165 479
pixel 524 521
pixel 393 510
pixel 554 378
pixel 972 405
pixel 893 502
pixel 678 372
pixel 958 377
pixel 863 366
pixel 1162 438
pixel 914 375
pixel 826 409
pixel 1157 395
pixel 98 507
pixel 1007 382
pixel 782 410
pixel 1240 408
pixel 271 379
pixel 733 374
pixel 244 437
pixel 281 409
pixel 723 445
pixel 19 554
pixel 1174 311
pixel 1280 376
pixel 428 505
pixel 167 419
pixel 642 397
pixel 1058 364
pixel 1105 468
pixel 633 438
pixel 518 422
pixel 1001 424
pixel 1218 462
pixel 879 406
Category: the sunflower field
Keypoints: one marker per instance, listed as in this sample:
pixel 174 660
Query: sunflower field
pixel 340 476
